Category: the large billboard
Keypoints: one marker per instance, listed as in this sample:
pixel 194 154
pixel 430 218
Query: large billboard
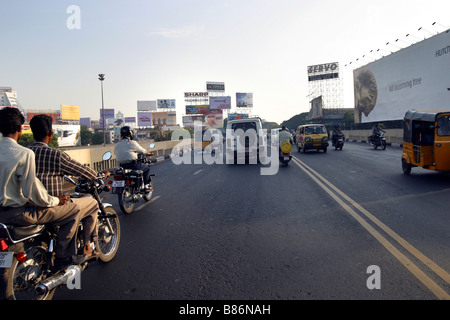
pixel 219 103
pixel 69 112
pixel 144 119
pixel 244 100
pixel 323 71
pixel 161 119
pixel 149 105
pixel 416 77
pixel 166 103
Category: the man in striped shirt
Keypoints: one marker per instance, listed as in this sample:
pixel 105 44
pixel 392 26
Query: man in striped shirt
pixel 51 167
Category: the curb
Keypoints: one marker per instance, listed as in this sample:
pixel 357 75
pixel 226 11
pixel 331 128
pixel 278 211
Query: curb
pixel 399 145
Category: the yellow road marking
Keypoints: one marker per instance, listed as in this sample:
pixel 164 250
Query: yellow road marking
pixel 419 274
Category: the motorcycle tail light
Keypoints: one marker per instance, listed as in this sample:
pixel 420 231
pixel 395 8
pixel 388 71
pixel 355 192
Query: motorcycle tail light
pixel 3 245
pixel 109 182
pixel 107 188
pixel 118 177
pixel 21 257
pixel 127 181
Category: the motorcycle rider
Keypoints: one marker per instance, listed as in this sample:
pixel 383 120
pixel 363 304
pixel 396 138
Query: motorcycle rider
pixel 126 151
pixel 24 201
pixel 376 130
pixel 284 136
pixel 51 167
pixel 336 132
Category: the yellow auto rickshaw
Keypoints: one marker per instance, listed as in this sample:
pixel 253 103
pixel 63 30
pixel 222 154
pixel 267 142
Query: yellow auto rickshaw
pixel 426 140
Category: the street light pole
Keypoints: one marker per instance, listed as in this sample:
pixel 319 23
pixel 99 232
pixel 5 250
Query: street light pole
pixel 101 77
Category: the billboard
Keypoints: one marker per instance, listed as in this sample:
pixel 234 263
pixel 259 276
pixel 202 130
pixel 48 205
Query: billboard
pixel 416 77
pixel 323 71
pixel 144 119
pixel 166 103
pixel 234 116
pixel 197 109
pixel 219 103
pixel 316 108
pixel 244 100
pixel 85 122
pixel 69 112
pixel 146 105
pixel 68 135
pixel 215 86
pixel 109 113
pixel 160 119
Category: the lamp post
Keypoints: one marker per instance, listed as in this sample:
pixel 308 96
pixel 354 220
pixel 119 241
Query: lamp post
pixel 101 77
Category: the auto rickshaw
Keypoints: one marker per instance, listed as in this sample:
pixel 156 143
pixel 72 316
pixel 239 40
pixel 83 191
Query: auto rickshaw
pixel 426 140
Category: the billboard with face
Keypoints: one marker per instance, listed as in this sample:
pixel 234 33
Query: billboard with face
pixel 416 77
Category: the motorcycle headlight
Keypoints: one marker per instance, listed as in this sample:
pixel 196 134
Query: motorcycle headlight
pixel 307 139
pixel 324 139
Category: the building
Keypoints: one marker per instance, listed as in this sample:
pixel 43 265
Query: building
pixel 8 96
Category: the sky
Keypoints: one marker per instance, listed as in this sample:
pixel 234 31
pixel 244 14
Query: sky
pixel 149 50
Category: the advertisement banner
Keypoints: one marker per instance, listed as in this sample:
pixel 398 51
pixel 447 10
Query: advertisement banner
pixel 130 119
pixel 149 105
pixel 323 71
pixel 109 113
pixel 144 119
pixel 68 135
pixel 197 109
pixel 415 77
pixel 234 116
pixel 215 86
pixel 69 112
pixel 160 119
pixel 165 103
pixel 244 100
pixel 219 103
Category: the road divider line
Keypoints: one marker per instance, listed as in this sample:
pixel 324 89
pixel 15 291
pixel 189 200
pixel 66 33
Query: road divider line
pixel 416 271
pixel 147 203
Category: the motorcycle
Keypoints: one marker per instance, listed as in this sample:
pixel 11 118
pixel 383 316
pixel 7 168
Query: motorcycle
pixel 27 270
pixel 285 153
pixel 378 140
pixel 129 185
pixel 339 141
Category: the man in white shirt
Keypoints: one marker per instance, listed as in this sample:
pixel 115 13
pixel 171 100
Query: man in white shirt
pixel 127 151
pixel 23 198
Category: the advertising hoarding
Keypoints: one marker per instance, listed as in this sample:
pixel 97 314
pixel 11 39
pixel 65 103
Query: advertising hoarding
pixel 215 86
pixel 144 119
pixel 323 71
pixel 165 103
pixel 69 112
pixel 416 77
pixel 219 103
pixel 244 100
pixel 160 119
pixel 148 105
pixel 197 109
pixel 68 135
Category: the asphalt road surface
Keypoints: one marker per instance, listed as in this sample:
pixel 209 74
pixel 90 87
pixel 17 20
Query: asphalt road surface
pixel 338 225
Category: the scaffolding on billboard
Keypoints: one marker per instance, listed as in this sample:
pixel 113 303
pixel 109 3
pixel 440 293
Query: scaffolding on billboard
pixel 325 81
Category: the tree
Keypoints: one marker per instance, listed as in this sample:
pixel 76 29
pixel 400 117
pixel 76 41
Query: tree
pixel 27 140
pixel 86 136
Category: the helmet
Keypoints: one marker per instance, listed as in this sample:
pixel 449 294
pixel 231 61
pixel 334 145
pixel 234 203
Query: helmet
pixel 126 132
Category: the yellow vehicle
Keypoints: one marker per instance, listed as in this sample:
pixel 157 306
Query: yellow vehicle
pixel 312 136
pixel 426 140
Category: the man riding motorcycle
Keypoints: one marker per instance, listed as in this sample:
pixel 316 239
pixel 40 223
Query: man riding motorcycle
pixel 127 151
pixel 24 201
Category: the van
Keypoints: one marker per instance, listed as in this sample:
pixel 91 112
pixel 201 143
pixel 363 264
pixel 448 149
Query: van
pixel 312 136
pixel 245 140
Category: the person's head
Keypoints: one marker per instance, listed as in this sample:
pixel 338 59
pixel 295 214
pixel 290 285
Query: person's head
pixel 11 121
pixel 126 132
pixel 283 128
pixel 41 126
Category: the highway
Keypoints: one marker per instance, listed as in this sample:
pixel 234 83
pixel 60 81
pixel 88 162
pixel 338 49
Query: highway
pixel 340 225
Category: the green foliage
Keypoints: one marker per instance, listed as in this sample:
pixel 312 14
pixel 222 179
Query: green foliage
pixel 27 140
pixel 86 136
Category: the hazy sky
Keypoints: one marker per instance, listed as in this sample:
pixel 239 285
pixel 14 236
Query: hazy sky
pixel 152 50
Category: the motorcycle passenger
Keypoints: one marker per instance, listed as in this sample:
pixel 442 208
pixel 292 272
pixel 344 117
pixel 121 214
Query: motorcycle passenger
pixel 24 201
pixel 127 151
pixel 284 136
pixel 51 166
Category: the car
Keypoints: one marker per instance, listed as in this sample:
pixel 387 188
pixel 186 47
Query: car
pixel 245 140
pixel 312 136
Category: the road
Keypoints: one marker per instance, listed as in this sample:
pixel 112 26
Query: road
pixel 338 225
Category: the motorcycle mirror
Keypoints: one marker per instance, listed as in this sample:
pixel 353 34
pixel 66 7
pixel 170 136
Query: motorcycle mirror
pixel 152 145
pixel 107 155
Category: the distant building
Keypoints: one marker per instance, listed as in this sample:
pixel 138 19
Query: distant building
pixel 8 96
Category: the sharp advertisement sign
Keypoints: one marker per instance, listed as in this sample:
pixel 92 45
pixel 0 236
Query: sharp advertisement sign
pixel 416 77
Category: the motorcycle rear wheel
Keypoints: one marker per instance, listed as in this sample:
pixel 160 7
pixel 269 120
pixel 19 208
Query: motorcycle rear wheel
pixel 126 201
pixel 20 279
pixel 107 242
